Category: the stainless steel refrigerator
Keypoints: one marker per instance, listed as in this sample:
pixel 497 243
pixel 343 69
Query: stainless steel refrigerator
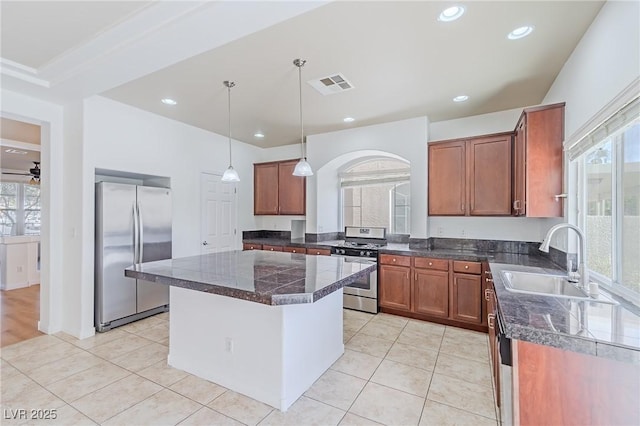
pixel 133 225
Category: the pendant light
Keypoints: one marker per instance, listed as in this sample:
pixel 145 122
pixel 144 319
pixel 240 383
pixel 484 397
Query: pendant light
pixel 230 175
pixel 303 168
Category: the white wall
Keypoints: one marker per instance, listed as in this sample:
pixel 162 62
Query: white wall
pixel 50 117
pixel 105 134
pixel 484 124
pixel 605 61
pixel 406 138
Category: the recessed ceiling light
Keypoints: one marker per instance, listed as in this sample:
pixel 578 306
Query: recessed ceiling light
pixel 259 135
pixel 460 98
pixel 348 119
pixel 520 32
pixel 168 101
pixel 15 151
pixel 451 14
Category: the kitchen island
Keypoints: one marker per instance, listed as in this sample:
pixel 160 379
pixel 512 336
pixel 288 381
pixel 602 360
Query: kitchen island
pixel 264 324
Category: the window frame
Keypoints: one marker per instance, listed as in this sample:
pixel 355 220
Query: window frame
pixel 342 172
pixel 612 283
pixel 20 209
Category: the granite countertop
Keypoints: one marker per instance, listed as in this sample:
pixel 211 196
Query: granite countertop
pixel 293 242
pixel 272 278
pixel 590 327
pixel 593 327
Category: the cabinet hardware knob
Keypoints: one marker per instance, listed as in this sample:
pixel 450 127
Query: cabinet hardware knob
pixel 430 263
pixel 489 280
pixel 490 318
pixel 466 266
pixel 394 259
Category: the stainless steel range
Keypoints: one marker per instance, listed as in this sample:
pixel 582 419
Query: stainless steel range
pixel 362 295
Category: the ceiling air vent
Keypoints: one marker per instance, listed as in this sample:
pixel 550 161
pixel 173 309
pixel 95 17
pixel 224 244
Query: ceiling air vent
pixel 334 83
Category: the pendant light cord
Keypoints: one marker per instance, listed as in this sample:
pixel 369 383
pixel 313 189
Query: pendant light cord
pixel 300 63
pixel 229 86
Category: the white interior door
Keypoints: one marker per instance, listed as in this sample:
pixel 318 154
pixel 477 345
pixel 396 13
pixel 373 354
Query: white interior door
pixel 218 217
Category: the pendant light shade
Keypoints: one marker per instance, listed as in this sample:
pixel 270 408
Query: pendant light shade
pixel 230 175
pixel 303 168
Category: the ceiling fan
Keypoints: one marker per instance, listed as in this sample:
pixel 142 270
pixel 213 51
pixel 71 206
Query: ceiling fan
pixel 34 172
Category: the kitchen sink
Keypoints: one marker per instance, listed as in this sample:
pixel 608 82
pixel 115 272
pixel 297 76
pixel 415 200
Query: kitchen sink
pixel 542 284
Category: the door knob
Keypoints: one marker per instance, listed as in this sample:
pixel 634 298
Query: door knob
pixel 204 243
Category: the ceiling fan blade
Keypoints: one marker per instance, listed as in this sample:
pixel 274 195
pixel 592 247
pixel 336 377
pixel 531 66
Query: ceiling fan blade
pixel 17 174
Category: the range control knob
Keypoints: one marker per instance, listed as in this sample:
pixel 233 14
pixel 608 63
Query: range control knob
pixel 361 253
pixel 368 254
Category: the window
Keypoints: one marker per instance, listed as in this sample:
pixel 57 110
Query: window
pixel 376 192
pixel 19 209
pixel 609 187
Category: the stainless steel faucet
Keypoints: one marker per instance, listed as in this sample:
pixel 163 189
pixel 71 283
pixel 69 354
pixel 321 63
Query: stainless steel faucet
pixel 583 272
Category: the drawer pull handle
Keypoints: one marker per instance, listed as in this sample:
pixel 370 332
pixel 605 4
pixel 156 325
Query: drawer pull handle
pixel 466 266
pixel 489 280
pixel 430 263
pixel 490 318
pixel 394 259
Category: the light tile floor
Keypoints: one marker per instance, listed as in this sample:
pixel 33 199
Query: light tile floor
pixel 394 371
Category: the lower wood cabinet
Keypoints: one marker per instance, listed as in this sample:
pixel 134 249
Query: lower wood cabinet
pixel 440 290
pixel 396 291
pixel 431 292
pixel 492 308
pixel 301 250
pixel 466 298
pixel 271 248
pixel 319 252
pixel 248 246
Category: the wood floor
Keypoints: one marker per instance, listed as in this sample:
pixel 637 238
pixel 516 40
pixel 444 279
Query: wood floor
pixel 19 313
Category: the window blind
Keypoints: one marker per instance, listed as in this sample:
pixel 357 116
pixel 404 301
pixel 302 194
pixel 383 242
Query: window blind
pixel 617 121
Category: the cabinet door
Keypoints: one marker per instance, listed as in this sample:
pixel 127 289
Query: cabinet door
pixel 519 150
pixel 265 188
pixel 493 339
pixel 544 158
pixel 395 287
pixel 291 190
pixel 489 167
pixel 466 298
pixel 431 292
pixel 447 178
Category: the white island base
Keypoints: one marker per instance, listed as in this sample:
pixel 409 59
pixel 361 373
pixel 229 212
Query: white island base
pixel 270 353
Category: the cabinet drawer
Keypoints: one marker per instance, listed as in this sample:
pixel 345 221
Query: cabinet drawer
pixel 295 250
pixel 247 246
pixel 428 263
pixel 467 267
pixel 319 252
pixel 271 248
pixel 390 259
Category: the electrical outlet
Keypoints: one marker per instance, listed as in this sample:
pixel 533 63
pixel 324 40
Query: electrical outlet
pixel 228 345
pixel 463 233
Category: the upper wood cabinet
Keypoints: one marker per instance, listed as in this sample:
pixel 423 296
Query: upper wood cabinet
pixel 489 175
pixel 471 177
pixel 537 162
pixel 276 191
pixel 447 179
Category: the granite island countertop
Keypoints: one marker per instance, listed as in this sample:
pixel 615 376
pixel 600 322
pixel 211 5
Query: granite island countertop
pixel 272 278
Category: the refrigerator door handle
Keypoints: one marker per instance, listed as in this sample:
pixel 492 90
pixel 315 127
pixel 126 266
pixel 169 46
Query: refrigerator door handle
pixel 140 235
pixel 135 234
